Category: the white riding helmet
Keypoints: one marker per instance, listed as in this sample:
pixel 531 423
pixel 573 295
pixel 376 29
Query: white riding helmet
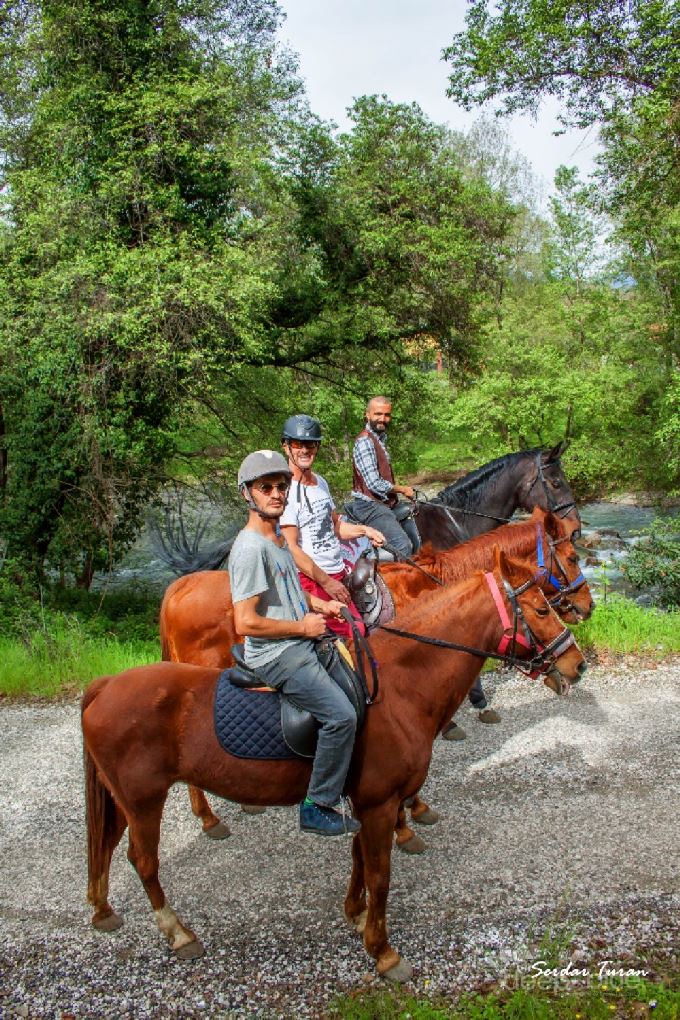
pixel 261 463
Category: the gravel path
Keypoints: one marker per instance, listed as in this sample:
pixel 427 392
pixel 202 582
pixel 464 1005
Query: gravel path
pixel 560 819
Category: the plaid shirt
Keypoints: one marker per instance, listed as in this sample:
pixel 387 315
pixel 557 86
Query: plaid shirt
pixel 366 464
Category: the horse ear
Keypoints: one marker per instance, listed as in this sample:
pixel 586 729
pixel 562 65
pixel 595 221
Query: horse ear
pixel 555 453
pixel 553 525
pixel 499 560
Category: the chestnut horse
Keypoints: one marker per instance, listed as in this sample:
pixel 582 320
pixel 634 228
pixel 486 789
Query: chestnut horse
pixel 150 727
pixel 197 616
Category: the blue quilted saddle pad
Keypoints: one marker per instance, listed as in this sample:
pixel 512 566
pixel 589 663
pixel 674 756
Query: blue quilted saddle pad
pixel 247 722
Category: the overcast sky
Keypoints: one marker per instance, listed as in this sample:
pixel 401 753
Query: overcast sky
pixel 349 48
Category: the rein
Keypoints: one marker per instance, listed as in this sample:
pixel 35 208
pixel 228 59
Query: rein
pixel 362 650
pixel 540 663
pixel 411 562
pixel 459 510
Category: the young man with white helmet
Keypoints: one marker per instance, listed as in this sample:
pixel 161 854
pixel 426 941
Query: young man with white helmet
pixel 280 623
pixel 311 525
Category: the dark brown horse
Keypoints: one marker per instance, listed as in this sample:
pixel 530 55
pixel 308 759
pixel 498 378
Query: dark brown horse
pixel 489 496
pixel 197 616
pixel 151 727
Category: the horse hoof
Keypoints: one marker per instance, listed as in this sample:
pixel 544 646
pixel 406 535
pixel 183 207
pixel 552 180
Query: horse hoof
pixel 400 973
pixel 253 809
pixel 218 831
pixel 428 817
pixel 190 951
pixel 109 923
pixel 489 715
pixel 453 732
pixel 358 923
pixel 414 845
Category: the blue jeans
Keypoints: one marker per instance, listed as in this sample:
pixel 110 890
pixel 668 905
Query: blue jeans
pixel 301 678
pixel 402 536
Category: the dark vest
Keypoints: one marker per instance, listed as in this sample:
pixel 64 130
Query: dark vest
pixel 384 470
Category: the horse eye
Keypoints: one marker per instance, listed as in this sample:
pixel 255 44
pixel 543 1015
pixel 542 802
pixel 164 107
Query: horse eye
pixel 573 559
pixel 542 610
pixel 555 484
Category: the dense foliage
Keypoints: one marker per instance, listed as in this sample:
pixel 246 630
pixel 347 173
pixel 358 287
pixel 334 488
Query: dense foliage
pixel 188 255
pixel 179 234
pixel 655 564
pixel 616 64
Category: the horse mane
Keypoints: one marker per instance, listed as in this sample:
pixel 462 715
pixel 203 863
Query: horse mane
pixel 467 491
pixel 453 565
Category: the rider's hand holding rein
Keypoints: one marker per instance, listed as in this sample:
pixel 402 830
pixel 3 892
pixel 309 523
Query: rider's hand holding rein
pixel 332 608
pixel 404 490
pixel 313 625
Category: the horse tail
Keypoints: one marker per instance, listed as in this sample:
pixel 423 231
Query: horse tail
pixel 103 817
pixel 166 655
pixel 165 626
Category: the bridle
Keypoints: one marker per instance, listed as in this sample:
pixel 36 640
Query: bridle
pixel 517 634
pixel 563 590
pixel 559 509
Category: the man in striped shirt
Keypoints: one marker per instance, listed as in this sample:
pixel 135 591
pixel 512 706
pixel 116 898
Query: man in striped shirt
pixel 374 490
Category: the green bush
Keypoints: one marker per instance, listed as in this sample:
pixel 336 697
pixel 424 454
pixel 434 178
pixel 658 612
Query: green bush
pixel 655 564
pixel 20 605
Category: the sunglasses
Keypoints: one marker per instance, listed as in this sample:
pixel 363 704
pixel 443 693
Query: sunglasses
pixel 303 444
pixel 268 487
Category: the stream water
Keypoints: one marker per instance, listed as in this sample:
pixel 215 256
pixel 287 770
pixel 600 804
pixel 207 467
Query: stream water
pixel 616 528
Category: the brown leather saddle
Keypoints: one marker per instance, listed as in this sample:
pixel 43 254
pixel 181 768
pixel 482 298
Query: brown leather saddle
pixel 370 594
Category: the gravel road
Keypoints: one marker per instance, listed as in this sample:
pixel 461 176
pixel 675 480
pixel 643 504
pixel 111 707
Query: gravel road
pixel 562 819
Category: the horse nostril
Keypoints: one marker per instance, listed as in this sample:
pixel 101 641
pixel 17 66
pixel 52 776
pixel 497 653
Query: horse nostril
pixel 582 667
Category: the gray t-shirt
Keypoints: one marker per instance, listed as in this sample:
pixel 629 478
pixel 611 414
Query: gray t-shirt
pixel 258 566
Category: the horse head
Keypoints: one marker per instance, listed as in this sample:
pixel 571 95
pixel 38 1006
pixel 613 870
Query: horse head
pixel 535 627
pixel 565 585
pixel 545 485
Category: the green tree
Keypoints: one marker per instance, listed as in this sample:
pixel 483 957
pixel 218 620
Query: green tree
pixel 598 58
pixel 615 64
pixel 138 247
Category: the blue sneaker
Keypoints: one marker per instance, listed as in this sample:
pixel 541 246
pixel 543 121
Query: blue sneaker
pixel 325 821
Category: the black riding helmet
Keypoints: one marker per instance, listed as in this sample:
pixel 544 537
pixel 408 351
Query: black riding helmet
pixel 302 427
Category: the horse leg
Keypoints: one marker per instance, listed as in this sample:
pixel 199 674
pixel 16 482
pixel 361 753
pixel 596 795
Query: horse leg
pixel 421 812
pixel 212 826
pixel 355 900
pixel 145 831
pixel 376 844
pixel 407 841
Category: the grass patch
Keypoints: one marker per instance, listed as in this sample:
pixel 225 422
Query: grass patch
pixel 64 658
pixel 635 1000
pixel 621 625
pixel 446 456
